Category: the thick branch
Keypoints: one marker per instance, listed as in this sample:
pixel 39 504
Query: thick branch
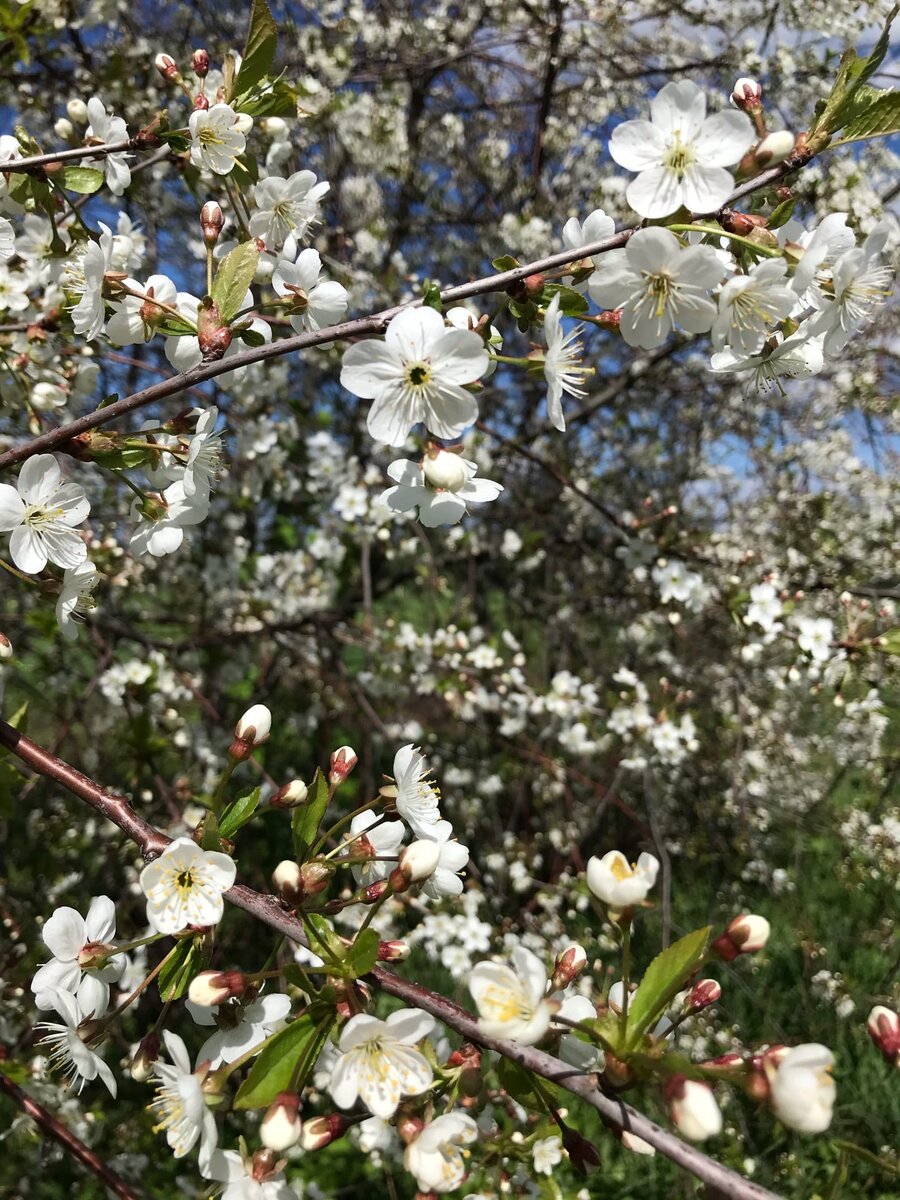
pixel 270 911
pixel 359 327
pixel 66 1138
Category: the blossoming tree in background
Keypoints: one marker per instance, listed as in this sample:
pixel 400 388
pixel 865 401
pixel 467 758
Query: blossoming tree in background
pixel 348 384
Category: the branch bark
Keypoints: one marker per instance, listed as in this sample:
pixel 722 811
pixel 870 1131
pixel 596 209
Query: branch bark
pixel 270 911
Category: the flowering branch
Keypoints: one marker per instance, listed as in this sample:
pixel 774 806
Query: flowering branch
pixel 27 166
pixel 66 1138
pixel 372 325
pixel 267 909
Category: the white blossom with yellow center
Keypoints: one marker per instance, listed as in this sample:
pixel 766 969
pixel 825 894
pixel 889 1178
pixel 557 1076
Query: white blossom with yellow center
pixel 379 1063
pixel 185 885
pixel 802 1089
pixel 511 1000
pixel 180 1107
pixel 619 883
pixel 436 1157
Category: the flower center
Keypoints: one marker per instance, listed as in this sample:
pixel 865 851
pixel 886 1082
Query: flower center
pixel 679 157
pixel 418 374
pixel 621 869
pixel 659 290
pixel 37 516
pixel 208 136
pixel 184 880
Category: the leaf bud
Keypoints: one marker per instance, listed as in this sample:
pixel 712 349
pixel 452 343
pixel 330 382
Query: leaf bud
pixel 200 63
pixel 342 763
pixel 315 876
pixel 281 1127
pixel 212 219
pixel 167 67
pixel 291 795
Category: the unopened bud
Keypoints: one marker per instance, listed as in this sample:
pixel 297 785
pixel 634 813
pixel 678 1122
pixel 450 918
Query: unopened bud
pixel 394 951
pixel 292 795
pixel 582 1153
pixel 373 893
pixel 201 102
pixel 419 860
pixel 64 129
pixel 342 763
pixel 254 726
pixel 288 881
pixel 635 1144
pixel 884 1030
pixel 212 219
pixel 745 935
pixel 322 1131
pixel 273 127
pixel 740 223
pixel 200 63
pixel 693 1108
pixel 444 469
pixel 529 288
pixel 314 877
pixel 6 648
pixel 702 995
pixel 568 967
pixel 725 1065
pixel 77 110
pixel 147 1053
pixel 747 95
pixel 281 1127
pixel 210 988
pixel 774 148
pixel 167 67
pixel 408 1127
pixel 243 123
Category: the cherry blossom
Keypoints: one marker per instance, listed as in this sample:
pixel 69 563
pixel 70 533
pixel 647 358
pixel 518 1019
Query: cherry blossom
pixel 40 513
pixel 184 886
pixel 378 1062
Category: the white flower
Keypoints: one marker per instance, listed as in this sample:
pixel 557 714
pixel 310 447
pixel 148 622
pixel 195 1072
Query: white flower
pixel 378 1062
pixel 243 1179
pixel 815 636
pixel 204 455
pixel 216 142
pixel 286 206
pixel 597 226
pixel 658 285
pixel 40 511
pixel 384 837
pixel 417 795
pixel 7 240
pixel 84 277
pixel 749 305
pixel 241 1026
pixel 136 318
pixel 161 528
pixel 416 375
pixel 69 937
pixel 765 606
pixel 184 886
pixel 681 153
pixel 75 597
pixel 821 247
pixel 441 487
pixel 461 317
pixel 546 1154
pixel 802 1089
pixel 180 1106
pixel 694 1110
pixel 108 129
pixel 794 357
pixel 71 1051
pixel 445 880
pixel 316 303
pixel 561 363
pixel 510 1000
pixel 435 1157
pixel 620 884
pixel 860 283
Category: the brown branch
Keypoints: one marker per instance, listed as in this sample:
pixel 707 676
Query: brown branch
pixel 271 912
pixel 66 1138
pixel 26 166
pixel 359 327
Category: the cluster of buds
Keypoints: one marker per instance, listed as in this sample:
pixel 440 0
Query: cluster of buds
pixel 296 883
pixel 745 935
pixel 251 730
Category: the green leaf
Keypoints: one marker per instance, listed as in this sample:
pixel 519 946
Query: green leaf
pixel 210 836
pixel 326 943
pixel 665 976
pixel 505 262
pixel 782 213
pixel 84 180
pixel 431 297
pixel 273 98
pixel 234 276
pixel 852 74
pixel 179 969
pixel 287 1058
pixel 172 326
pixel 518 1083
pixel 238 813
pixel 880 119
pixel 571 303
pixel 887 643
pixel 251 337
pixel 259 51
pixel 305 821
pixel 363 954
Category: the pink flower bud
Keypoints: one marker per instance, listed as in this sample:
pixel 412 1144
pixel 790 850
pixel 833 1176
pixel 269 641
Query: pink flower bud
pixel 200 63
pixel 201 102
pixel 393 951
pixel 884 1030
pixel 747 95
pixel 212 220
pixel 292 795
pixel 342 763
pixel 321 1131
pixel 569 965
pixel 281 1127
pixel 702 995
pixel 210 988
pixel 167 67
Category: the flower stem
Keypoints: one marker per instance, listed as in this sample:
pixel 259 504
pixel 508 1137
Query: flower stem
pixel 764 251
